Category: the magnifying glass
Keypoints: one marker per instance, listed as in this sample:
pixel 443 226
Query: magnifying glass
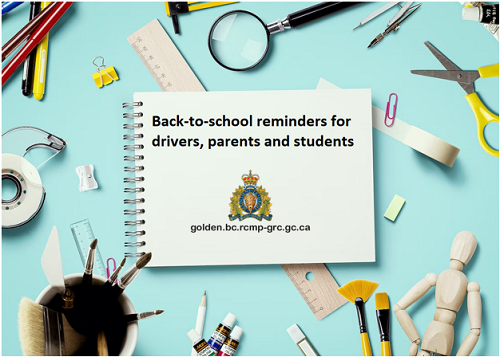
pixel 239 40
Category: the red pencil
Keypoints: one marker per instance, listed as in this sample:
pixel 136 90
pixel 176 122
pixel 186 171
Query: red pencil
pixel 26 31
pixel 35 38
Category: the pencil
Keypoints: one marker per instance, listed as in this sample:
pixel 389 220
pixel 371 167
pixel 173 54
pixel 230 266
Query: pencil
pixel 26 32
pixel 200 319
pixel 34 39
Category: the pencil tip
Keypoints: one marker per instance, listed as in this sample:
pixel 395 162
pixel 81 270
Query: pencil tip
pixel 205 293
pixel 93 244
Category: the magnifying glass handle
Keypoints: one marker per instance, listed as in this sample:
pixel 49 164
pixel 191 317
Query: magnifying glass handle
pixel 316 12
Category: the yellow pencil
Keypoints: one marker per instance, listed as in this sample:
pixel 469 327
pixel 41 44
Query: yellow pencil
pixel 41 63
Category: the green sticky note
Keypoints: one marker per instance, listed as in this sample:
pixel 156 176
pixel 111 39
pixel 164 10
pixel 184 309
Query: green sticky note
pixel 394 208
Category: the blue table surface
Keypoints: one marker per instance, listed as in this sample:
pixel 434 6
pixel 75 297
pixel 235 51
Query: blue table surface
pixel 440 201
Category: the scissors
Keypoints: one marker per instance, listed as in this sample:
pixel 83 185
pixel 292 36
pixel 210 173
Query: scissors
pixel 466 80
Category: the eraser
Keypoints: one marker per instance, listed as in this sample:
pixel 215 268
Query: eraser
pixel 394 208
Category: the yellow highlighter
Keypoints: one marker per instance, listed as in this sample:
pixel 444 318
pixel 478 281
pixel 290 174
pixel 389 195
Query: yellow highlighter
pixel 41 63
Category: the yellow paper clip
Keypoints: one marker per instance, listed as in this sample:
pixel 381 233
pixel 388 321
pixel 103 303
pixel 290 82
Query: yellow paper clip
pixel 104 75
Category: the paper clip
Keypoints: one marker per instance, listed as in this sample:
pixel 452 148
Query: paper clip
pixel 102 69
pixel 387 109
pixel 108 270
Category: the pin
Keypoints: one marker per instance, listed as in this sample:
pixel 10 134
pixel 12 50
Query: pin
pixel 387 110
pixel 104 75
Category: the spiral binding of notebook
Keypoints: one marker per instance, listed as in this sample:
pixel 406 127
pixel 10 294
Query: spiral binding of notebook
pixel 133 180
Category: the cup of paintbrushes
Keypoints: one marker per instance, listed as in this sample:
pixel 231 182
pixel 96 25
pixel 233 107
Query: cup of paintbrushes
pixel 95 310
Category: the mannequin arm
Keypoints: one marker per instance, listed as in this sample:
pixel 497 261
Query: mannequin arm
pixel 474 307
pixel 404 319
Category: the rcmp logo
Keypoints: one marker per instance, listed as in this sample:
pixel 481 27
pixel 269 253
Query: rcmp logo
pixel 250 201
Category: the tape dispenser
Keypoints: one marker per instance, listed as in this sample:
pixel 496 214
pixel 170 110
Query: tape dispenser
pixel 27 201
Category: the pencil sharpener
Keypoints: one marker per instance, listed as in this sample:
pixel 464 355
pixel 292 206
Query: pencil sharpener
pixel 23 194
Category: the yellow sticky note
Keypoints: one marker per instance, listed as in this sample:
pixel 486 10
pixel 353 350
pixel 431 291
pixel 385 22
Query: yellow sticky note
pixel 394 208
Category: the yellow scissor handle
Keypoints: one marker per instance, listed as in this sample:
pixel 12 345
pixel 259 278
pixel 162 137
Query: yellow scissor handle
pixel 483 118
pixel 488 71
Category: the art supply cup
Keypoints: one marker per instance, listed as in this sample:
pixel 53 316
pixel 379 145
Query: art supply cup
pixel 132 331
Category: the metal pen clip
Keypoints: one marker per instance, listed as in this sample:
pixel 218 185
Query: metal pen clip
pixel 108 269
pixel 387 110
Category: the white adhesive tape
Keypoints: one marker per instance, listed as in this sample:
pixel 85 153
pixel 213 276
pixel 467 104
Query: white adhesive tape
pixel 31 193
pixel 410 135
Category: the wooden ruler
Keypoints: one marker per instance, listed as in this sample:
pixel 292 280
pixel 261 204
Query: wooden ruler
pixel 320 293
pixel 169 69
pixel 163 60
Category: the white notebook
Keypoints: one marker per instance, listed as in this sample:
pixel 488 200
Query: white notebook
pixel 271 177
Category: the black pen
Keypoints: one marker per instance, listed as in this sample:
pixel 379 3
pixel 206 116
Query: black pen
pixel 89 265
pixel 29 62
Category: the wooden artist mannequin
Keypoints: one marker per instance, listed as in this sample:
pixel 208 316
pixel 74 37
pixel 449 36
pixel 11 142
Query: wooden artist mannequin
pixel 451 287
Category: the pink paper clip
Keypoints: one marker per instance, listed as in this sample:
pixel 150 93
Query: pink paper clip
pixel 108 270
pixel 387 109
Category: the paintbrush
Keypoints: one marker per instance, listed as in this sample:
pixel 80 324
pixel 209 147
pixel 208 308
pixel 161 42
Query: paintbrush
pixel 45 332
pixel 141 316
pixel 112 277
pixel 129 276
pixel 102 344
pixel 89 265
pixel 357 292
pixel 383 313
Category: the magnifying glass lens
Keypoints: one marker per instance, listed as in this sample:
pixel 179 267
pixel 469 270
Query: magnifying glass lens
pixel 238 40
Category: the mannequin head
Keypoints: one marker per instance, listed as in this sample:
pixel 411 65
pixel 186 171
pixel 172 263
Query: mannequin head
pixel 463 247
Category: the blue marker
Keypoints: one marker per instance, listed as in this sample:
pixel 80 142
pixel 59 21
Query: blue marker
pixel 9 5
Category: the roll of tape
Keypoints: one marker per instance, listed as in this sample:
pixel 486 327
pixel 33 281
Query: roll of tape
pixel 410 135
pixel 30 195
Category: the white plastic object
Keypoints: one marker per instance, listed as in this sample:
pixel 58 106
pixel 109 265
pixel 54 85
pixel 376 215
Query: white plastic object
pixel 296 333
pixel 229 320
pixel 194 336
pixel 87 180
pixel 236 333
pixel 52 262
pixel 470 13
